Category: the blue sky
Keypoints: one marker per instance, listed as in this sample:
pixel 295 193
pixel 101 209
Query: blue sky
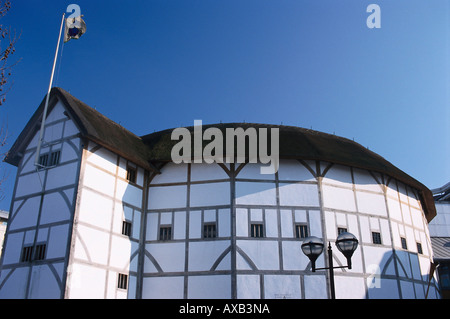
pixel 158 64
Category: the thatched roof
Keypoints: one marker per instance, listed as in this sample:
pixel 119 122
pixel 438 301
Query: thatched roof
pixel 151 150
pixel 92 125
pixel 306 144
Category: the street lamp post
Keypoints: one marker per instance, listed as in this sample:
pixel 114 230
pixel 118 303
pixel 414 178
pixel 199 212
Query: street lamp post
pixel 346 243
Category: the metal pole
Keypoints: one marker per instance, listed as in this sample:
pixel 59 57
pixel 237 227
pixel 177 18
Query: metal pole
pixel 41 133
pixel 330 261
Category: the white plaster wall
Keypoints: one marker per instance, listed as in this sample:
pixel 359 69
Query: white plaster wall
pixel 282 286
pixel 315 287
pixel 172 262
pixel 293 170
pixel 167 197
pixel 95 209
pixel 338 198
pixel 297 194
pixel 338 175
pixel 205 172
pixel 253 193
pixel 15 286
pixel 203 255
pixel 87 282
pixel 44 284
pixel 210 194
pixel 371 203
pixel 44 197
pixel 264 254
pixel 248 287
pixel 171 173
pixel 209 287
pixel 106 199
pixel 163 287
pixel 253 171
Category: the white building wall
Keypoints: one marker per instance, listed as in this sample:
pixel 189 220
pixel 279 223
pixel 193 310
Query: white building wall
pixel 100 252
pixel 324 197
pixel 187 198
pixel 41 213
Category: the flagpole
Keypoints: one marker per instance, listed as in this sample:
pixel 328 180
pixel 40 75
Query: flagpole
pixel 44 116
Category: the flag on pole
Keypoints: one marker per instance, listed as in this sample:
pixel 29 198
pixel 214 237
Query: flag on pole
pixel 74 29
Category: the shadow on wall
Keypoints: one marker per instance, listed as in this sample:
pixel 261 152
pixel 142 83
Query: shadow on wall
pixel 126 249
pixel 400 275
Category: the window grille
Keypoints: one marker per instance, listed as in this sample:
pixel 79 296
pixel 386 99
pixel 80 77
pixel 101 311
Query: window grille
pixel 209 231
pixel 256 230
pixel 43 160
pixel 165 233
pixel 376 238
pixel 131 174
pixel 403 240
pixel 27 253
pixel 126 228
pixel 301 231
pixel 122 282
pixel 419 248
pixel 49 159
pixel 54 158
pixel 39 253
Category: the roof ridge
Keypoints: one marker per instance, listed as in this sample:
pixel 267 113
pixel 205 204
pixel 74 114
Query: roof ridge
pixel 90 108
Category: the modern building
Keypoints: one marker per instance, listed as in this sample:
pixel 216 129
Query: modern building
pixel 110 215
pixel 440 237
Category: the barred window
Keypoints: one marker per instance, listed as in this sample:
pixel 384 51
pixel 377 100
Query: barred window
pixel 376 238
pixel 131 174
pixel 419 248
pixel 403 240
pixel 122 282
pixel 27 253
pixel 39 253
pixel 43 160
pixel 301 231
pixel 54 158
pixel 165 233
pixel 49 159
pixel 126 228
pixel 30 253
pixel 209 231
pixel 256 230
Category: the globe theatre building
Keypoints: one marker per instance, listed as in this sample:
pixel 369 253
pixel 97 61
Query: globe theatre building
pixel 110 215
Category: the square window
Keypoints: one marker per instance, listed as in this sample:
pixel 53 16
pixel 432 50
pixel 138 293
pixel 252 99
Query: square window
pixel 256 230
pixel 27 253
pixel 165 233
pixel 122 282
pixel 131 174
pixel 403 240
pixel 301 231
pixel 54 158
pixel 376 238
pixel 419 248
pixel 126 228
pixel 43 161
pixel 209 231
pixel 39 253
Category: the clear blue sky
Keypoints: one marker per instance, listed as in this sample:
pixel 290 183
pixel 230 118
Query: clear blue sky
pixel 158 64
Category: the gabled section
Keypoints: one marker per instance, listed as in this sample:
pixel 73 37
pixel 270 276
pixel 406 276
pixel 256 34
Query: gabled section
pixel 91 124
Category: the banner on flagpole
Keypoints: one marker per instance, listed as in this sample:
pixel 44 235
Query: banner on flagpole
pixel 74 29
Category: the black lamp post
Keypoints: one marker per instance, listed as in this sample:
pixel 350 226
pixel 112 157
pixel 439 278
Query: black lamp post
pixel 346 243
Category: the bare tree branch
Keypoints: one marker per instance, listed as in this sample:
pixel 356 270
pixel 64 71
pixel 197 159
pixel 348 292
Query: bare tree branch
pixel 8 37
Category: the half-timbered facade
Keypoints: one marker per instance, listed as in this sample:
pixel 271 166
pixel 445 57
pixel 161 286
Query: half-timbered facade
pixel 111 216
